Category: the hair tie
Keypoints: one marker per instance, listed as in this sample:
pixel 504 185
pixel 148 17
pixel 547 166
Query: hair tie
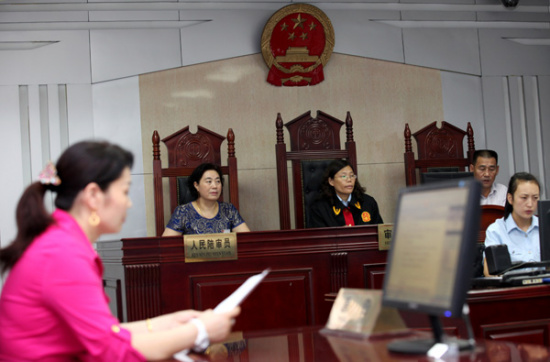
pixel 48 176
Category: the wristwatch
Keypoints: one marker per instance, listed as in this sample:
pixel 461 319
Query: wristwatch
pixel 202 341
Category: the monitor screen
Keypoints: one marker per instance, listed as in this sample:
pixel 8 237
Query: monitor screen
pixel 430 177
pixel 544 229
pixel 429 267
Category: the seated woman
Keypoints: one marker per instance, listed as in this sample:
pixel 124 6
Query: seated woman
pixel 343 201
pixel 205 215
pixel 519 228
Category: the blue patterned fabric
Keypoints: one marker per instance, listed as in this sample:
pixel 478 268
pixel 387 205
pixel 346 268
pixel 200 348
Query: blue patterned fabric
pixel 187 220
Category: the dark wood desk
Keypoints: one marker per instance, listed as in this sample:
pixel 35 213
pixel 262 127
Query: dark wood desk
pixel 309 344
pixel 520 315
pixel 145 277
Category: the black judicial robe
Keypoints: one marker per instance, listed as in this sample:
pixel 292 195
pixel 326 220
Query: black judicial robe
pixel 324 214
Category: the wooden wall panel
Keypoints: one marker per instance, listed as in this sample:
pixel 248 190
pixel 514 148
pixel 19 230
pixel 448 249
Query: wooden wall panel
pixel 536 332
pixel 142 291
pixel 263 307
pixel 374 275
pixel 113 289
pixel 307 266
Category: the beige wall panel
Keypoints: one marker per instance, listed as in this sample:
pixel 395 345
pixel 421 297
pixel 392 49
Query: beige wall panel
pixel 383 181
pixel 262 203
pixel 381 96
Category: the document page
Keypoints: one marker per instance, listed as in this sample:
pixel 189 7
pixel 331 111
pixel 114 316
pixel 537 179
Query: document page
pixel 241 293
pixel 232 301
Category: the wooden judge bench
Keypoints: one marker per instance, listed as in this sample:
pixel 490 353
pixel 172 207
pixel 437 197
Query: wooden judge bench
pixel 145 277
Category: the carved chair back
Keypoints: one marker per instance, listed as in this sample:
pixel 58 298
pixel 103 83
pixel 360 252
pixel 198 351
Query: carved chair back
pixel 186 151
pixel 489 213
pixel 439 150
pixel 314 143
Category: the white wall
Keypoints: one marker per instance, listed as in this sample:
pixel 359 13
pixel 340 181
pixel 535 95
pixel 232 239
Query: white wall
pixel 117 119
pixel 11 185
pixel 517 121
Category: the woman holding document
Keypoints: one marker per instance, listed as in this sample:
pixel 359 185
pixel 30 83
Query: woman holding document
pixel 53 306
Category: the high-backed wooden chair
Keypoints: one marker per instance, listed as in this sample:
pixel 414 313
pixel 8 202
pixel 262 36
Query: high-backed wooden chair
pixel 439 149
pixel 314 143
pixel 186 151
pixel 489 213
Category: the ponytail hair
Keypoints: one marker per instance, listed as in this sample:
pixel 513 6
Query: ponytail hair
pixel 81 164
pixel 32 220
pixel 513 186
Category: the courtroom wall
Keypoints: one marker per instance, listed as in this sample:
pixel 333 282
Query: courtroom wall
pixel 234 93
pixel 381 96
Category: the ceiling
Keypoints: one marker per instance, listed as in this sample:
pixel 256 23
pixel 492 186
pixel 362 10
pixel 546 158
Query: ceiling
pixel 40 15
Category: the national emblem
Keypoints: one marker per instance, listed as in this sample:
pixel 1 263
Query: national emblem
pixel 297 42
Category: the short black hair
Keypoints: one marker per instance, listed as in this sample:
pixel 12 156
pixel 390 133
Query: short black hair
pixel 484 154
pixel 197 175
pixel 327 190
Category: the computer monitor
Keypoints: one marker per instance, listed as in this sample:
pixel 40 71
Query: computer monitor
pixel 544 229
pixel 430 177
pixel 429 268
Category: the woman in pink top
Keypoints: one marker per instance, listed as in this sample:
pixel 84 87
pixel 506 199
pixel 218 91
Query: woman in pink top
pixel 53 307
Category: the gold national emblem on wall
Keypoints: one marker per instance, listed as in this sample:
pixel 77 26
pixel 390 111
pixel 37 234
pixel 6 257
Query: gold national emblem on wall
pixel 297 42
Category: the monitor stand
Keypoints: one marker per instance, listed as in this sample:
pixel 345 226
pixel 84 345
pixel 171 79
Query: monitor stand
pixel 423 345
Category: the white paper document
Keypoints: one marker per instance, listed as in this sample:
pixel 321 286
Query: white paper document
pixel 234 300
pixel 241 293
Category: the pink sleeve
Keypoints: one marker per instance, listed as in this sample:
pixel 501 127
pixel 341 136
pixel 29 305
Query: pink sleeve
pixel 73 288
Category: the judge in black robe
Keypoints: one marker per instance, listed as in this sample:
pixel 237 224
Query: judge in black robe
pixel 342 200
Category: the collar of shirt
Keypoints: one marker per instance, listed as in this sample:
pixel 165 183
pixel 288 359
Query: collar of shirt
pixel 493 189
pixel 492 192
pixel 345 203
pixel 511 224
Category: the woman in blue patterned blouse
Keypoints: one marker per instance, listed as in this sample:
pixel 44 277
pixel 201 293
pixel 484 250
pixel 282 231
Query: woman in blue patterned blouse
pixel 206 214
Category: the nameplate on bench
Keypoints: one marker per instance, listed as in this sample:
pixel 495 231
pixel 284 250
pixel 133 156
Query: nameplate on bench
pixel 210 247
pixel 385 232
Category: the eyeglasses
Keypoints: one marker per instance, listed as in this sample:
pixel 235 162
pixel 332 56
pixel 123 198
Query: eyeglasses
pixel 347 177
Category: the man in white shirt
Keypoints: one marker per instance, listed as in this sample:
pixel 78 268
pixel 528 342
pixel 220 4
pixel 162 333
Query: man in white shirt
pixel 485 168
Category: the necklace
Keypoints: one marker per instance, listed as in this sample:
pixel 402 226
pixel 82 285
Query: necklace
pixel 200 210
